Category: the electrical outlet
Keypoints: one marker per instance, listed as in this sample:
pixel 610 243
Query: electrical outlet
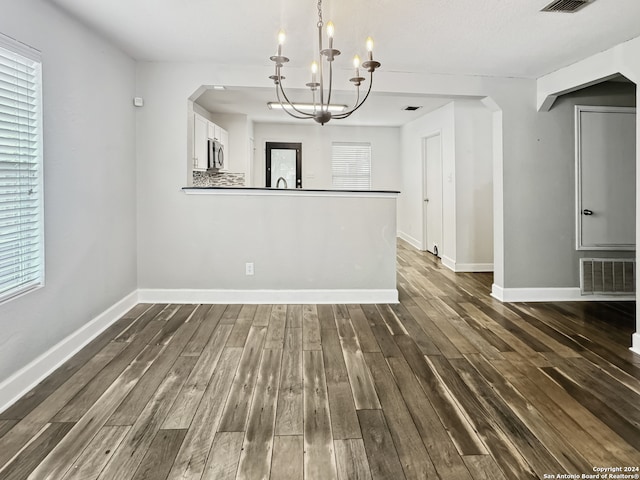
pixel 248 268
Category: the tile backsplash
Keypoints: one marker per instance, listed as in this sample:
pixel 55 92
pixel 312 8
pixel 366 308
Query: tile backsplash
pixel 218 179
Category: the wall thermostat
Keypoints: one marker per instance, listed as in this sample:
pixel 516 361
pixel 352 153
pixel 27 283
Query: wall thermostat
pixel 138 101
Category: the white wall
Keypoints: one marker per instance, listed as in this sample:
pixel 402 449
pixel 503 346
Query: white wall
pixel 89 182
pixel 474 186
pixel 316 151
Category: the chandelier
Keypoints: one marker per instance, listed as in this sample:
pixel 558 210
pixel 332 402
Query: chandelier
pixel 321 109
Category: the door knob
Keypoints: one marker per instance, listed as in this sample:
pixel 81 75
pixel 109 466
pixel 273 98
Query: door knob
pixel 587 212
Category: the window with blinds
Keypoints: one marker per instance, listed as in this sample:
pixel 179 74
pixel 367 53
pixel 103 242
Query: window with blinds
pixel 21 222
pixel 351 166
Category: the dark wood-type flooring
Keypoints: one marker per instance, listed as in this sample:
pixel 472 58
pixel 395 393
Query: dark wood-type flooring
pixel 448 384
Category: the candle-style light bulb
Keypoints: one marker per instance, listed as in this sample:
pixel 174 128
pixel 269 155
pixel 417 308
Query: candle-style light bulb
pixel 314 70
pixel 330 31
pixel 356 62
pixel 281 38
pixel 370 47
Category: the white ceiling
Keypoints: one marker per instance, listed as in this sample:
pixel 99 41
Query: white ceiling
pixel 507 38
pixel 481 37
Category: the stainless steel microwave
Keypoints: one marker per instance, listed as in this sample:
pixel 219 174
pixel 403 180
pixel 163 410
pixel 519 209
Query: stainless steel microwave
pixel 215 156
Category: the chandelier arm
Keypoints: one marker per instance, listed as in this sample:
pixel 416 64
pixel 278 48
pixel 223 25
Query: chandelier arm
pixel 352 109
pixel 357 98
pixel 303 115
pixel 320 54
pixel 346 114
pixel 330 84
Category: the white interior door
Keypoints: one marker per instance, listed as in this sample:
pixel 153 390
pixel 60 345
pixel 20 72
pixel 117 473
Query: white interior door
pixel 606 165
pixel 432 194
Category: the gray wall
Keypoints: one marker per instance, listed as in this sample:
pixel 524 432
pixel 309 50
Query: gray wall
pixel 296 242
pixel 89 182
pixel 203 241
pixel 540 196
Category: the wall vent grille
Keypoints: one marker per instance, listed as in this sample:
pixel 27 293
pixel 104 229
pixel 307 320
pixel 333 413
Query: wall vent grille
pixel 569 6
pixel 611 276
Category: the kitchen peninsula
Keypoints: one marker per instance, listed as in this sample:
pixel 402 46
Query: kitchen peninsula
pixel 266 245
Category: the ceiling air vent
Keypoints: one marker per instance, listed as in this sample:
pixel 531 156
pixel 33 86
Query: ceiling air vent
pixel 411 108
pixel 569 6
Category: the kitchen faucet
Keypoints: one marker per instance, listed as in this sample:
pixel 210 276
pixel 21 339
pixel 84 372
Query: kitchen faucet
pixel 278 182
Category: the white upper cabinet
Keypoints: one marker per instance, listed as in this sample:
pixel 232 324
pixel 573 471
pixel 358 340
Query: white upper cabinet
pixel 214 131
pixel 203 131
pixel 200 136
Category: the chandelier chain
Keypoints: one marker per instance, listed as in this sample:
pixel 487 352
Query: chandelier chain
pixel 320 23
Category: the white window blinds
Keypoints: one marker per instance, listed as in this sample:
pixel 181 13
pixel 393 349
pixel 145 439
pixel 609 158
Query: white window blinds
pixel 351 166
pixel 21 222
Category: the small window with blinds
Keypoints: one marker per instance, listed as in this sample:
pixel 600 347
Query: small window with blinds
pixel 21 220
pixel 351 166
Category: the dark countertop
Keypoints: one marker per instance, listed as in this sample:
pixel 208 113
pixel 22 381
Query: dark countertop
pixel 285 190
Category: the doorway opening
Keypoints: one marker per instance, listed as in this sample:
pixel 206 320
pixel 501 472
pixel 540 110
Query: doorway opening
pixel 432 194
pixel 284 165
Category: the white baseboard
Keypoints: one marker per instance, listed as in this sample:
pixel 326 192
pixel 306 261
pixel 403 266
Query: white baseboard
pixel 474 267
pixel 497 292
pixel 268 296
pixel 449 263
pixel 410 240
pixel 635 343
pixel 21 382
pixel 467 267
pixel 570 294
